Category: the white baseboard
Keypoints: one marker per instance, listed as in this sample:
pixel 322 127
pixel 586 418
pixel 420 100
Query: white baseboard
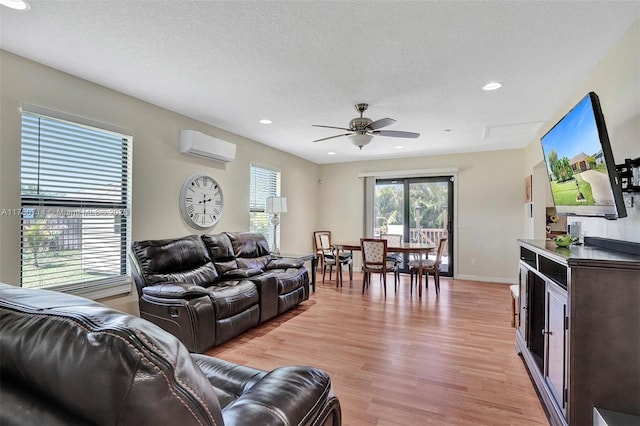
pixel 499 280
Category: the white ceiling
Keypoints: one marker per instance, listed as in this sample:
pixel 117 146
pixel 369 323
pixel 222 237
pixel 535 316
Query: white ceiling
pixel 298 63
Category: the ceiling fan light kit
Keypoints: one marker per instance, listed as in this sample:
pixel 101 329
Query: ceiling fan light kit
pixel 361 129
pixel 360 139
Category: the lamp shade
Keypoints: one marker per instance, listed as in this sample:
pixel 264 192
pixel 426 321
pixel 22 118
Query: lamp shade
pixel 276 205
pixel 360 139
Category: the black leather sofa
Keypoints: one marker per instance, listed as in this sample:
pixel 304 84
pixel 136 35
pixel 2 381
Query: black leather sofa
pixel 67 361
pixel 207 289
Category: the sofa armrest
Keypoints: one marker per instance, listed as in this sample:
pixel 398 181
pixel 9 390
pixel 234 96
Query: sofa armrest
pixel 228 376
pixel 287 395
pixel 241 273
pixel 175 291
pixel 284 263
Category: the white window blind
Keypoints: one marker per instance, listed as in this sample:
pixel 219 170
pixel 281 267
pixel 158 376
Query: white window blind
pixel 265 183
pixel 76 199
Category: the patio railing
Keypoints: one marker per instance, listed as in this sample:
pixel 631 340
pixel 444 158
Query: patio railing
pixel 420 235
pixel 427 235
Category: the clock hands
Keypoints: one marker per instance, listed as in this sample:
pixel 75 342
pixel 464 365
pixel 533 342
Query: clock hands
pixel 204 203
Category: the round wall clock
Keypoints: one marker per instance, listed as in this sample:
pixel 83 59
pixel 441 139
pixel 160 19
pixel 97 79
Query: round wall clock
pixel 201 201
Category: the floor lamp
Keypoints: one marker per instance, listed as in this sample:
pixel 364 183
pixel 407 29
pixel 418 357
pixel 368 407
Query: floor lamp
pixel 275 206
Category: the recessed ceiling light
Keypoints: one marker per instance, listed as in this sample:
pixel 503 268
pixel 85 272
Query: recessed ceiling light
pixel 494 85
pixel 266 121
pixel 331 153
pixel 15 4
pixel 398 147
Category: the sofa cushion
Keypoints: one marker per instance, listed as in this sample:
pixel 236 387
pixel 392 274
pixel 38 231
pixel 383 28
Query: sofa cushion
pixel 221 251
pixel 203 276
pixel 249 244
pixel 259 262
pixel 177 260
pixel 232 297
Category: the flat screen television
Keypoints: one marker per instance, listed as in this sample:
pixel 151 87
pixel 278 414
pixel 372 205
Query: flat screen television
pixel 582 174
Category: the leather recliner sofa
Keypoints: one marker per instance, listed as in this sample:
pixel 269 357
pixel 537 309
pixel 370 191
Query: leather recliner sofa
pixel 68 361
pixel 207 289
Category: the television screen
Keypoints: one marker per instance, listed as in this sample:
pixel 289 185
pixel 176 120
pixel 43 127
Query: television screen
pixel 580 166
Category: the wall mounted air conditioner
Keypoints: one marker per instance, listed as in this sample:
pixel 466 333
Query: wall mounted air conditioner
pixel 196 143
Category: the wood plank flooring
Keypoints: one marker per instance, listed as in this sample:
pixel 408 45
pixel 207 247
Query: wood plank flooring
pixel 436 360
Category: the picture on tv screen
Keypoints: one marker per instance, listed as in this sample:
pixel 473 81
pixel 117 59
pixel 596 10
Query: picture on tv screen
pixel 580 164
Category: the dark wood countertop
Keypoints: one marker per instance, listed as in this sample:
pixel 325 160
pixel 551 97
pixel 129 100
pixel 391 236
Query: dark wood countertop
pixel 584 255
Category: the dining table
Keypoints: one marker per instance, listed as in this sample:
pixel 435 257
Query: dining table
pixel 418 249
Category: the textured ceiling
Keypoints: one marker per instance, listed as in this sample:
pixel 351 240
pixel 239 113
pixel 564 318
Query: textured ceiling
pixel 300 63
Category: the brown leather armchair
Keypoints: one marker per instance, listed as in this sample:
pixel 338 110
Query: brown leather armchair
pixel 70 361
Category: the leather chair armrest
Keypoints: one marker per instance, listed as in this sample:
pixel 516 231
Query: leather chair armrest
pixel 175 291
pixel 241 273
pixel 284 263
pixel 226 375
pixel 286 395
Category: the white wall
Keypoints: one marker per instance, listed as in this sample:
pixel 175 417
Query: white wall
pixel 159 169
pixel 490 211
pixel 616 80
pixel 489 194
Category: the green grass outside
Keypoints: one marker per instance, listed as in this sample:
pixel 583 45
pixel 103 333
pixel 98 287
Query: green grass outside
pixel 56 267
pixel 566 193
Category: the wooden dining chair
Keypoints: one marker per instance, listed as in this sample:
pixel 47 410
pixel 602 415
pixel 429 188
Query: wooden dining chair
pixel 317 245
pixel 374 260
pixel 394 240
pixel 330 256
pixel 429 266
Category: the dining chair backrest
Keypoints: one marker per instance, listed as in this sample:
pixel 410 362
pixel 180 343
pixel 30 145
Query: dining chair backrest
pixel 322 240
pixel 325 242
pixel 442 243
pixel 393 240
pixel 374 252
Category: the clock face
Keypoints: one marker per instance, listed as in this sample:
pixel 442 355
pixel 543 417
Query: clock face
pixel 201 201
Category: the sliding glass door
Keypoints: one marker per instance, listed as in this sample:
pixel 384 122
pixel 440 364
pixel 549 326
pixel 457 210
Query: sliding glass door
pixel 420 209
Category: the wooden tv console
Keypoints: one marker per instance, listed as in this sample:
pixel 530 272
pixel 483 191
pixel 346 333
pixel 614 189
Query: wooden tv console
pixel 578 327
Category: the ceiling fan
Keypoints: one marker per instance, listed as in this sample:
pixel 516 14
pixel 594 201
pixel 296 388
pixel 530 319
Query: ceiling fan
pixel 362 129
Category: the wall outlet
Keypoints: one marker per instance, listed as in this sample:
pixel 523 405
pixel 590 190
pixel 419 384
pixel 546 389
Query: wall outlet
pixel 474 262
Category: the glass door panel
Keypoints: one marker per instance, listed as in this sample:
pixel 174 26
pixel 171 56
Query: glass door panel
pixel 389 208
pixel 429 205
pixel 420 209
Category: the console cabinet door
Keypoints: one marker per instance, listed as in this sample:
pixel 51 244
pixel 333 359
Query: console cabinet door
pixel 523 317
pixel 556 344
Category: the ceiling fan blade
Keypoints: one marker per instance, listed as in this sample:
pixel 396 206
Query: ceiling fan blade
pixel 331 137
pixel 331 127
pixel 379 124
pixel 396 134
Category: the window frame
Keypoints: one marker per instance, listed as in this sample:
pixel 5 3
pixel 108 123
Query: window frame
pixel 70 207
pixel 257 201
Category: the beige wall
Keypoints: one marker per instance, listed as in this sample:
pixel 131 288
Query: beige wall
pixel 616 80
pixel 488 207
pixel 490 213
pixel 159 169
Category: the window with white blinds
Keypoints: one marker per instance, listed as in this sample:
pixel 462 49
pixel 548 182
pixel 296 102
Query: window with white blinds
pixel 75 212
pixel 265 183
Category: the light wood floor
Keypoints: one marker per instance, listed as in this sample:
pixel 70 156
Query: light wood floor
pixel 404 360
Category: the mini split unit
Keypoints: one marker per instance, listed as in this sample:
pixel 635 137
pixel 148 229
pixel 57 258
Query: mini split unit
pixel 205 146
